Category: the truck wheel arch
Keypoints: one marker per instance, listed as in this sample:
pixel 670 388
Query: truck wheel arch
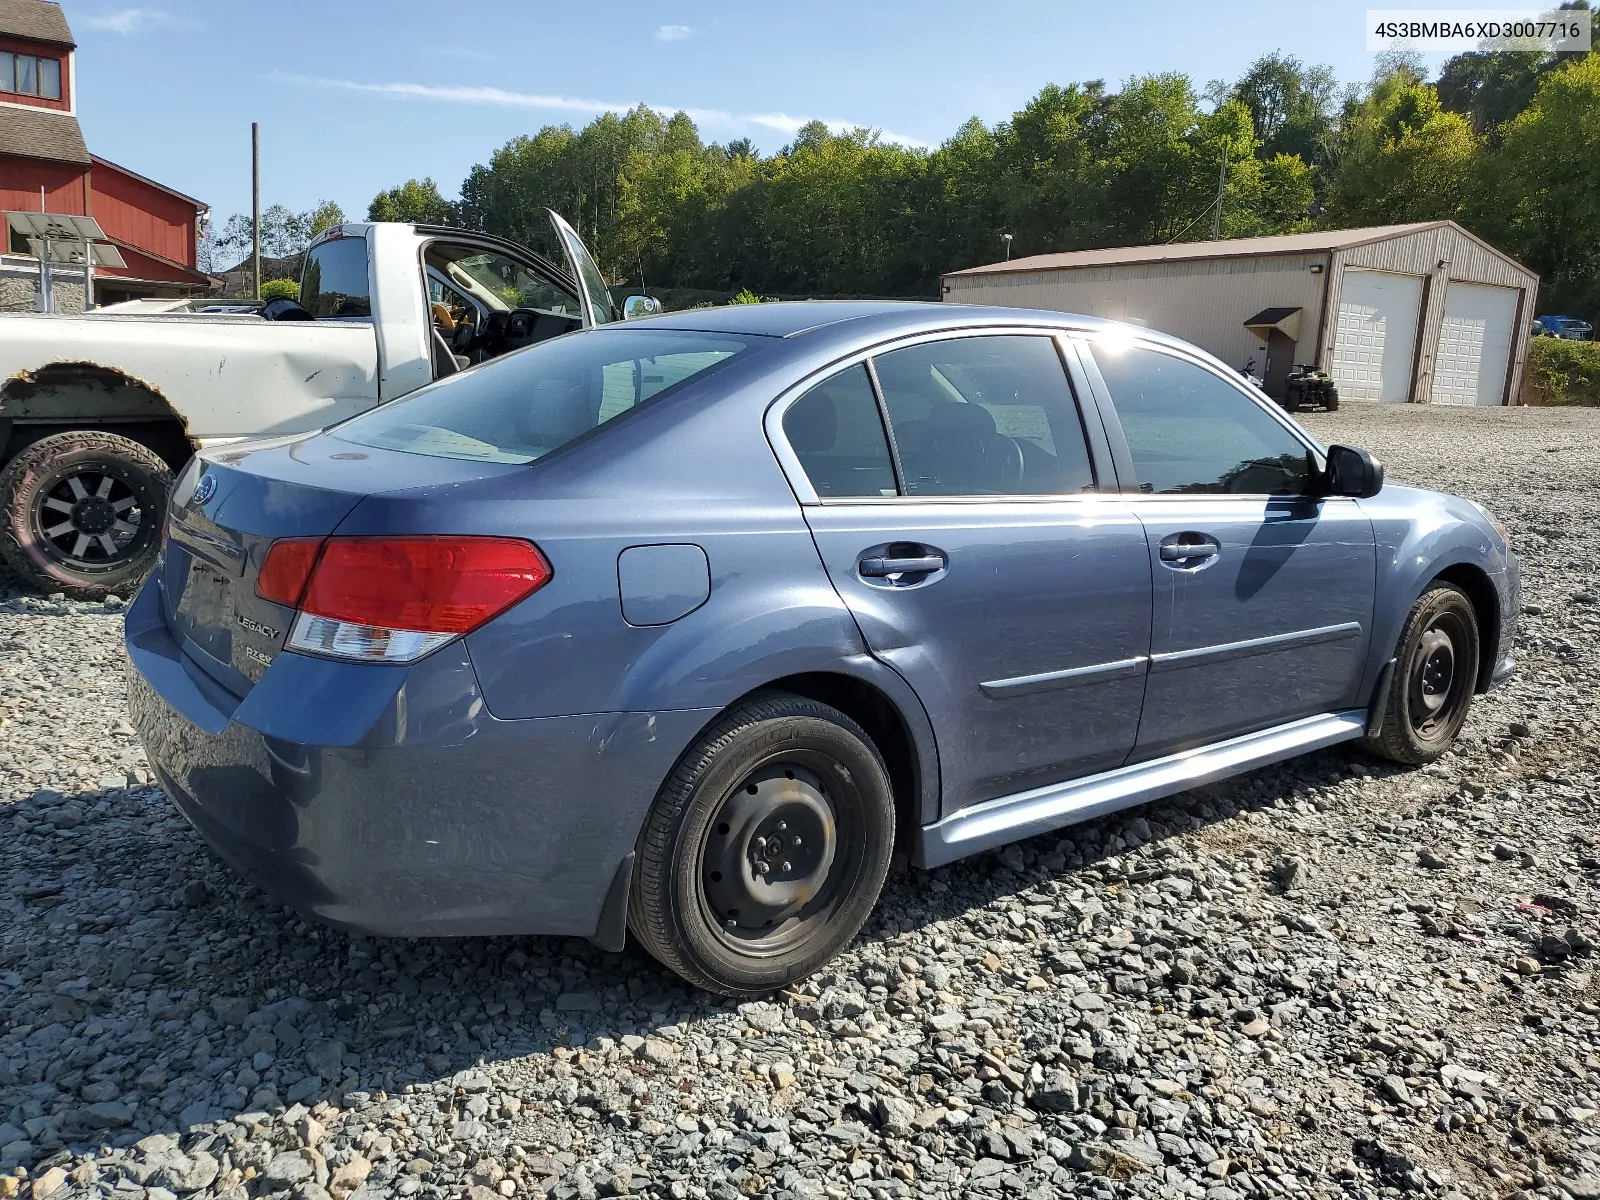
pixel 64 396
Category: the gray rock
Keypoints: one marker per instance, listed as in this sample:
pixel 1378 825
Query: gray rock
pixel 108 1114
pixel 325 1057
pixel 287 1169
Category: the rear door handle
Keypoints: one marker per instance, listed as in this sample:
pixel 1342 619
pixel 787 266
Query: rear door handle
pixel 1188 548
pixel 878 568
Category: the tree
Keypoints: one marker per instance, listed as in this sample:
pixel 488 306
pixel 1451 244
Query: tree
pixel 1402 157
pixel 1490 87
pixel 283 234
pixel 1539 193
pixel 416 201
pixel 1291 107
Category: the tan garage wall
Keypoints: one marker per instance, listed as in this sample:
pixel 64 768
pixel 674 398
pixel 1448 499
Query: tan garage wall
pixel 1205 302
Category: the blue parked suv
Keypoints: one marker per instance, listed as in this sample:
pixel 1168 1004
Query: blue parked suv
pixel 683 626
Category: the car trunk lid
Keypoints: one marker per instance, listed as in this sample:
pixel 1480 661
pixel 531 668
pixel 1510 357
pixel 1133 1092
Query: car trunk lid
pixel 227 512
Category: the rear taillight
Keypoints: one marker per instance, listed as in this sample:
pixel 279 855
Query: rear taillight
pixel 396 599
pixel 286 570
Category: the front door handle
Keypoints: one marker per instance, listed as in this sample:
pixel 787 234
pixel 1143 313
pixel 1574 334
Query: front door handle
pixel 878 568
pixel 1188 548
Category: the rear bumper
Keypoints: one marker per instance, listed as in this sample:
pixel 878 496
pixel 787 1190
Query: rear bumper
pixel 387 800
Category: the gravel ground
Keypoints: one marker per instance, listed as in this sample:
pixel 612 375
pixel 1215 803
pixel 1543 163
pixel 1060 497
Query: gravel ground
pixel 1327 977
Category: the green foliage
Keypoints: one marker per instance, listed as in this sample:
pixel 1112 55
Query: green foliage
pixel 1291 107
pixel 746 296
pixel 283 233
pixel 1402 156
pixel 274 289
pixel 1491 87
pixel 416 201
pixel 1539 195
pixel 1563 372
pixel 841 212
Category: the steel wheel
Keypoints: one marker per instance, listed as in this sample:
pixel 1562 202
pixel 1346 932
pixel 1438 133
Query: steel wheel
pixel 766 847
pixel 766 866
pixel 1435 675
pixel 1434 682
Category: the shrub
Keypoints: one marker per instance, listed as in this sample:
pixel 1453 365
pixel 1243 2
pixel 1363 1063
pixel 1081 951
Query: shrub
pixel 746 296
pixel 273 289
pixel 1562 372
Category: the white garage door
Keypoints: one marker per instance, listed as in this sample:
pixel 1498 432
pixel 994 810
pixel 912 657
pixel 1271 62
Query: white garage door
pixel 1474 344
pixel 1376 335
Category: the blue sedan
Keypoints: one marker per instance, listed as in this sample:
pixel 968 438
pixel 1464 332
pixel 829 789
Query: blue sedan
pixel 685 625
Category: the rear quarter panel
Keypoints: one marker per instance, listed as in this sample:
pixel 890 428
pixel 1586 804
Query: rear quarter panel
pixel 693 469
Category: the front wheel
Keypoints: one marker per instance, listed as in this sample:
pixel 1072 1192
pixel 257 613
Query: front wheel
pixel 82 513
pixel 766 847
pixel 1435 675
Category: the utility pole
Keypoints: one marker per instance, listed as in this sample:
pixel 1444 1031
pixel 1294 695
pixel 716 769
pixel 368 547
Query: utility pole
pixel 1222 179
pixel 1006 238
pixel 255 207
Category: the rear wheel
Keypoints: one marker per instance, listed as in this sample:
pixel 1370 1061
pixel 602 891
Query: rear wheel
pixel 82 513
pixel 1435 675
pixel 1330 397
pixel 765 849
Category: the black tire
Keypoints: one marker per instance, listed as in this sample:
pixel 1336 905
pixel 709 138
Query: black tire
pixel 82 513
pixel 775 764
pixel 1330 397
pixel 1435 676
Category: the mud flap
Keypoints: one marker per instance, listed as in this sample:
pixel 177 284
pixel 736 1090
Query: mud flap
pixel 1380 699
pixel 612 932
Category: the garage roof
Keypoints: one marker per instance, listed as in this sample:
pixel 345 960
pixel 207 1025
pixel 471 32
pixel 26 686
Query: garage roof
pixel 1293 243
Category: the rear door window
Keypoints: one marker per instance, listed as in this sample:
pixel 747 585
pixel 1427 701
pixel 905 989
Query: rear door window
pixel 837 433
pixel 335 282
pixel 985 416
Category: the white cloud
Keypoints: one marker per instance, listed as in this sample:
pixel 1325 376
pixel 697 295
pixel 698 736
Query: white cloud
pixel 125 21
pixel 673 33
pixel 715 118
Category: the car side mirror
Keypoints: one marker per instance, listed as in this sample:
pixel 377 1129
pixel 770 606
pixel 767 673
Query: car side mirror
pixel 640 306
pixel 1352 472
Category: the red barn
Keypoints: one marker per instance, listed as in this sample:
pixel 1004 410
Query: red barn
pixel 45 166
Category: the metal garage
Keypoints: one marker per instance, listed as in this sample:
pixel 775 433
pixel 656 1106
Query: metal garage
pixel 1420 313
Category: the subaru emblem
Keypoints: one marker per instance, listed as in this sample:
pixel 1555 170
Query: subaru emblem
pixel 206 488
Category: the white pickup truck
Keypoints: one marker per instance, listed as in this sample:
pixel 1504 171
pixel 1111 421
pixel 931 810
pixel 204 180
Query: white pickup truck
pixel 97 411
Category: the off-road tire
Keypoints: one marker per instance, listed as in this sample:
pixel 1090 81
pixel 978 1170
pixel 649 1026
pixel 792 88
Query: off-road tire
pixel 668 908
pixel 1409 733
pixel 1330 398
pixel 29 480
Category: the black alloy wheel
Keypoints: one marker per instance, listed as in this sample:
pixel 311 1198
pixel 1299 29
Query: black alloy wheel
pixel 82 513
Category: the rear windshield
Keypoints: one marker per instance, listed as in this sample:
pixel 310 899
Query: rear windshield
pixel 527 404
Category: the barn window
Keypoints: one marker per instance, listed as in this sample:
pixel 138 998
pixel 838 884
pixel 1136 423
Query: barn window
pixel 30 75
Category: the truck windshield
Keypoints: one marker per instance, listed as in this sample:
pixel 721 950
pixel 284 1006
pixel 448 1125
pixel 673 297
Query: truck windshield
pixel 523 406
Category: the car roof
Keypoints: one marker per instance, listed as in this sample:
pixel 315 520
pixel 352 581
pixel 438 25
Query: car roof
pixel 796 318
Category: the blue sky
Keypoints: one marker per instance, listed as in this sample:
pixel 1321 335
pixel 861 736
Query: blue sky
pixel 355 96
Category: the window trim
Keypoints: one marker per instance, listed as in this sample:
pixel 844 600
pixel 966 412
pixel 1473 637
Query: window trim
pixel 1122 456
pixel 1099 461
